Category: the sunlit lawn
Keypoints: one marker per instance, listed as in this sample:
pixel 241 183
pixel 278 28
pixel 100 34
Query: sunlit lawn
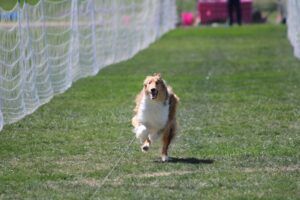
pixel 239 120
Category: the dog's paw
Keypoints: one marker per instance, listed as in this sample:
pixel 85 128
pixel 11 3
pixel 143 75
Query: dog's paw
pixel 164 158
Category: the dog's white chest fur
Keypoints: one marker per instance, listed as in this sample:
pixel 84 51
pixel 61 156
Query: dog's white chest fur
pixel 153 114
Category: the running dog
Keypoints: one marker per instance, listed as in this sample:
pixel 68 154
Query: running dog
pixel 155 114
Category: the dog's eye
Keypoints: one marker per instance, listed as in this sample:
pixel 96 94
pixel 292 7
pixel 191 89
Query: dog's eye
pixel 150 82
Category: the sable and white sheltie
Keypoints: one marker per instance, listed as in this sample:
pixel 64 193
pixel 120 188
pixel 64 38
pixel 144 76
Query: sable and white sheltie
pixel 155 114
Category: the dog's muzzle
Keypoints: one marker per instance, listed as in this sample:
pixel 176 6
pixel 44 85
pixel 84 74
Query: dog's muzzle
pixel 154 93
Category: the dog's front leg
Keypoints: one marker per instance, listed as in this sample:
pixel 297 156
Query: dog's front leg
pixel 141 133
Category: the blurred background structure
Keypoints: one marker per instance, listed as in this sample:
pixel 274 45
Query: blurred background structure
pixel 46 45
pixel 215 11
pixel 293 21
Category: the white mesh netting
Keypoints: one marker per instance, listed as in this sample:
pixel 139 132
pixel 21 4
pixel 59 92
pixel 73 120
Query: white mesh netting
pixel 47 46
pixel 293 21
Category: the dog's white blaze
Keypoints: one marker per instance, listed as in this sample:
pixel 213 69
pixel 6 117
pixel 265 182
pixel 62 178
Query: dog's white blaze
pixel 153 114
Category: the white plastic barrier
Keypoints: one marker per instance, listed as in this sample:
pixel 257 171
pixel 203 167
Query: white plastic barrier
pixel 293 21
pixel 46 47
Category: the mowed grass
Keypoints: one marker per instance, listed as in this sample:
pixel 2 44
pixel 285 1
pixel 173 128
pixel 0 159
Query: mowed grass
pixel 239 121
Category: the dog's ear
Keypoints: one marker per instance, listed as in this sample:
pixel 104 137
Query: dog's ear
pixel 158 75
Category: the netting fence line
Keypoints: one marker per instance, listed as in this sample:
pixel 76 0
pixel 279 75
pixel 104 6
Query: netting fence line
pixel 45 47
pixel 293 21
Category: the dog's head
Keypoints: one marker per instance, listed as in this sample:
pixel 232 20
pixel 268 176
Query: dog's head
pixel 155 87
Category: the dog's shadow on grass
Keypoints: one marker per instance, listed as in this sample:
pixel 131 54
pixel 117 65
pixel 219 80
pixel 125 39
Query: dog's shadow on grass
pixel 191 160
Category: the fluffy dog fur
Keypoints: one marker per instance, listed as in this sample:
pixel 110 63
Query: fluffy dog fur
pixel 155 114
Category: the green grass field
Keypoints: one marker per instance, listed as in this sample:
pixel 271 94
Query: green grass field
pixel 239 121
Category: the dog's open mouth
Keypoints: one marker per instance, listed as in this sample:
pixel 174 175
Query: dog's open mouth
pixel 154 93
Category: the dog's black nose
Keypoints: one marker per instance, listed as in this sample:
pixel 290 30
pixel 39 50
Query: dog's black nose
pixel 153 90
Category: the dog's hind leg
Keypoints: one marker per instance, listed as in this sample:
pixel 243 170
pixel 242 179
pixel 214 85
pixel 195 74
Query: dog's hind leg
pixel 168 135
